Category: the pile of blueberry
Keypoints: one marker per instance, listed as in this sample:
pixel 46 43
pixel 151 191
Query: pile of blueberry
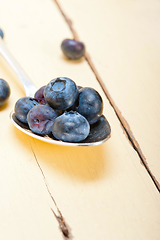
pixel 61 108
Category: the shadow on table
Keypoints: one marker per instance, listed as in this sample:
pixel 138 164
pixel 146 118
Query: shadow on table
pixel 79 163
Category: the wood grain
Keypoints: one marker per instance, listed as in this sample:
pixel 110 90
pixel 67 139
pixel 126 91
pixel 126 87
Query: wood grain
pixel 122 38
pixel 102 192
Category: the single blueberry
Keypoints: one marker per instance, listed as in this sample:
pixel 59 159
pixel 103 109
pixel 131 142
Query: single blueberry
pixel 4 91
pixel 61 93
pixel 41 118
pixel 39 95
pixel 73 49
pixel 71 127
pixel 23 106
pixel 90 104
pixel 1 33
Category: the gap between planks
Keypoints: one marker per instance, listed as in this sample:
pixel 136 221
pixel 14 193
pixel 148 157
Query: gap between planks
pixel 64 228
pixel 132 140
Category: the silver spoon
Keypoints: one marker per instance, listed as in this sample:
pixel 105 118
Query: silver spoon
pixel 100 131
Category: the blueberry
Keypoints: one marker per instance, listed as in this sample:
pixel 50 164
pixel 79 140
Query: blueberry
pixel 23 106
pixel 90 104
pixel 39 95
pixel 1 33
pixel 72 49
pixel 61 93
pixel 71 127
pixel 4 91
pixel 73 107
pixel 41 118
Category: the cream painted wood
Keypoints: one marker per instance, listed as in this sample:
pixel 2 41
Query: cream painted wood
pixel 103 192
pixel 123 39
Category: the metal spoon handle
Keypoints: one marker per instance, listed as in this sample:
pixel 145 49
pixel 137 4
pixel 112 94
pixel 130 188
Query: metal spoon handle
pixel 29 87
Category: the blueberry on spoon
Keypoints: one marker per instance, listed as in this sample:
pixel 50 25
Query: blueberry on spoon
pixel 90 104
pixel 41 118
pixel 71 127
pixel 23 106
pixel 61 93
pixel 39 95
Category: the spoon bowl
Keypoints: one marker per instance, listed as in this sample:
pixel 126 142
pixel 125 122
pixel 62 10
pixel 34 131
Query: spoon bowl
pixel 99 132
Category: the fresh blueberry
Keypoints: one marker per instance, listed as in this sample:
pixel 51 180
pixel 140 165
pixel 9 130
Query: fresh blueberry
pixel 71 127
pixel 61 93
pixel 41 118
pixel 74 106
pixel 4 91
pixel 72 49
pixel 90 104
pixel 1 33
pixel 23 106
pixel 39 95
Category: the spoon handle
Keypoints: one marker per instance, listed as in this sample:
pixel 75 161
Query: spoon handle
pixel 29 87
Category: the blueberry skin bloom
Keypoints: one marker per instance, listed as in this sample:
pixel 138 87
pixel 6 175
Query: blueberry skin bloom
pixel 61 93
pixel 90 104
pixel 41 118
pixel 73 49
pixel 23 106
pixel 70 127
pixel 4 92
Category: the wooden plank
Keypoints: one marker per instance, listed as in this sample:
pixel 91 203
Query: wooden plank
pixel 123 40
pixel 103 192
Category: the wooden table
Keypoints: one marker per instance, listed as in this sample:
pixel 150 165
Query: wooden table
pixel 110 191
